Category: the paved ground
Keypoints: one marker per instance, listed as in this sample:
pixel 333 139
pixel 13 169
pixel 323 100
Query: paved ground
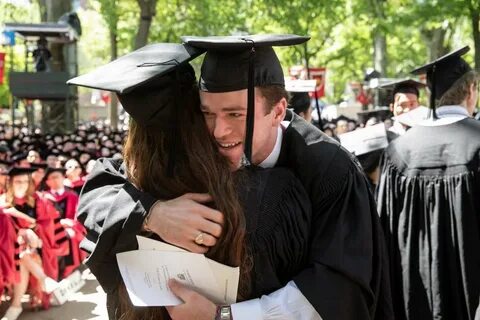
pixel 87 304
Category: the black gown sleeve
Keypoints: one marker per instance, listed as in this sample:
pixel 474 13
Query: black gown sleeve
pixel 112 210
pixel 348 273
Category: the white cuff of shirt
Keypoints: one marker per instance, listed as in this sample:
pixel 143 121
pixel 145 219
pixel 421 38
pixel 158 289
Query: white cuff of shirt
pixel 285 303
pixel 249 309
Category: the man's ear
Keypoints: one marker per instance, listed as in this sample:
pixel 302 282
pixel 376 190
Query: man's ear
pixel 279 111
pixel 472 89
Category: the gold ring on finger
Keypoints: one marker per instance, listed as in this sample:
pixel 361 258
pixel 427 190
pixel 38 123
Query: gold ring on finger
pixel 199 239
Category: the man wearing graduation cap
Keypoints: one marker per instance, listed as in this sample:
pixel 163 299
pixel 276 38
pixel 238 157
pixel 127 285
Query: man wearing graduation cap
pixel 300 100
pixel 405 94
pixel 244 102
pixel 429 204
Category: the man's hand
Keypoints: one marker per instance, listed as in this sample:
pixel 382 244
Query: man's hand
pixel 67 223
pixel 179 221
pixel 195 305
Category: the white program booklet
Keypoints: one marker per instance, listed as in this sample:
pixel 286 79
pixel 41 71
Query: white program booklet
pixel 146 273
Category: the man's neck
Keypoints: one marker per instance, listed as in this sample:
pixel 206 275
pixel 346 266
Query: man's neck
pixel 271 160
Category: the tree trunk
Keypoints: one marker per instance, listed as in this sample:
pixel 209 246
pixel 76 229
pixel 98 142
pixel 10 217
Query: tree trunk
pixel 380 52
pixel 42 4
pixel 475 18
pixel 379 38
pixel 435 39
pixel 113 97
pixel 147 12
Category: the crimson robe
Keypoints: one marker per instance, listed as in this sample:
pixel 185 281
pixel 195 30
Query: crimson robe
pixel 67 204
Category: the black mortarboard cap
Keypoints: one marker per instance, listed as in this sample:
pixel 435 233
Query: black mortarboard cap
pixel 235 63
pixel 16 171
pixel 404 86
pixel 299 101
pixel 19 157
pixel 41 165
pixel 5 162
pixel 443 73
pixel 365 140
pixel 4 148
pixel 144 80
pixel 51 170
pixel 381 114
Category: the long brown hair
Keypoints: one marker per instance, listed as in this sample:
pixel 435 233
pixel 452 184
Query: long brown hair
pixel 199 168
pixel 29 195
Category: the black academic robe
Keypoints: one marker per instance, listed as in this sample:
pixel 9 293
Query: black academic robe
pixel 429 204
pixel 346 274
pixel 348 255
pixel 278 223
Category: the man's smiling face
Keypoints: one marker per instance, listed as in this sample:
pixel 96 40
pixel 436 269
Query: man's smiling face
pixel 226 114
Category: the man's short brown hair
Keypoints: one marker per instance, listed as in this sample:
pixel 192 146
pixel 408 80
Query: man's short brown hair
pixel 272 94
pixel 460 90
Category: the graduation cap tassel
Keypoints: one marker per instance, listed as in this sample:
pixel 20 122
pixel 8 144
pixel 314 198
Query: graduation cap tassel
pixel 250 106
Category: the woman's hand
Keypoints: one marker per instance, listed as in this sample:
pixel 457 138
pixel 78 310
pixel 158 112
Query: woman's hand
pixel 195 305
pixel 32 239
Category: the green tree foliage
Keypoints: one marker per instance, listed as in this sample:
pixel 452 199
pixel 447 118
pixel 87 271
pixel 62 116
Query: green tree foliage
pixel 15 56
pixel 342 31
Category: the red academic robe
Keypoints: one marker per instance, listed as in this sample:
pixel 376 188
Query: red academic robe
pixel 8 272
pixel 47 228
pixel 67 204
pixel 76 185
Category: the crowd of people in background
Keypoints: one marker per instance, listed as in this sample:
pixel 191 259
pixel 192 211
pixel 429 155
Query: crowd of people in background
pixel 41 177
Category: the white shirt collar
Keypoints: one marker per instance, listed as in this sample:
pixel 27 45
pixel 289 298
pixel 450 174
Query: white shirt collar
pixel 59 191
pixel 272 158
pixel 397 128
pixel 447 115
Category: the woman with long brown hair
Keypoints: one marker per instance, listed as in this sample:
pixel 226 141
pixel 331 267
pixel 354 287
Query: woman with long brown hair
pixel 169 153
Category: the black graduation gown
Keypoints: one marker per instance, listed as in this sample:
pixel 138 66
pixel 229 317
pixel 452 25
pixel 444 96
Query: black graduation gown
pixel 278 219
pixel 429 204
pixel 346 276
pixel 348 258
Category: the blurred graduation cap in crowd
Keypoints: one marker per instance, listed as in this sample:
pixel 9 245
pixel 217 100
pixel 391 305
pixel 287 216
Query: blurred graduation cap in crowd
pixel 370 74
pixel 4 165
pixel 403 86
pixel 380 115
pixel 341 118
pixel 443 73
pixel 4 148
pixel 365 140
pixel 299 98
pixel 19 157
pixel 5 162
pixel 51 170
pixel 298 85
pixel 367 144
pixel 37 166
pixel 17 171
pixel 145 79
pixel 242 62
